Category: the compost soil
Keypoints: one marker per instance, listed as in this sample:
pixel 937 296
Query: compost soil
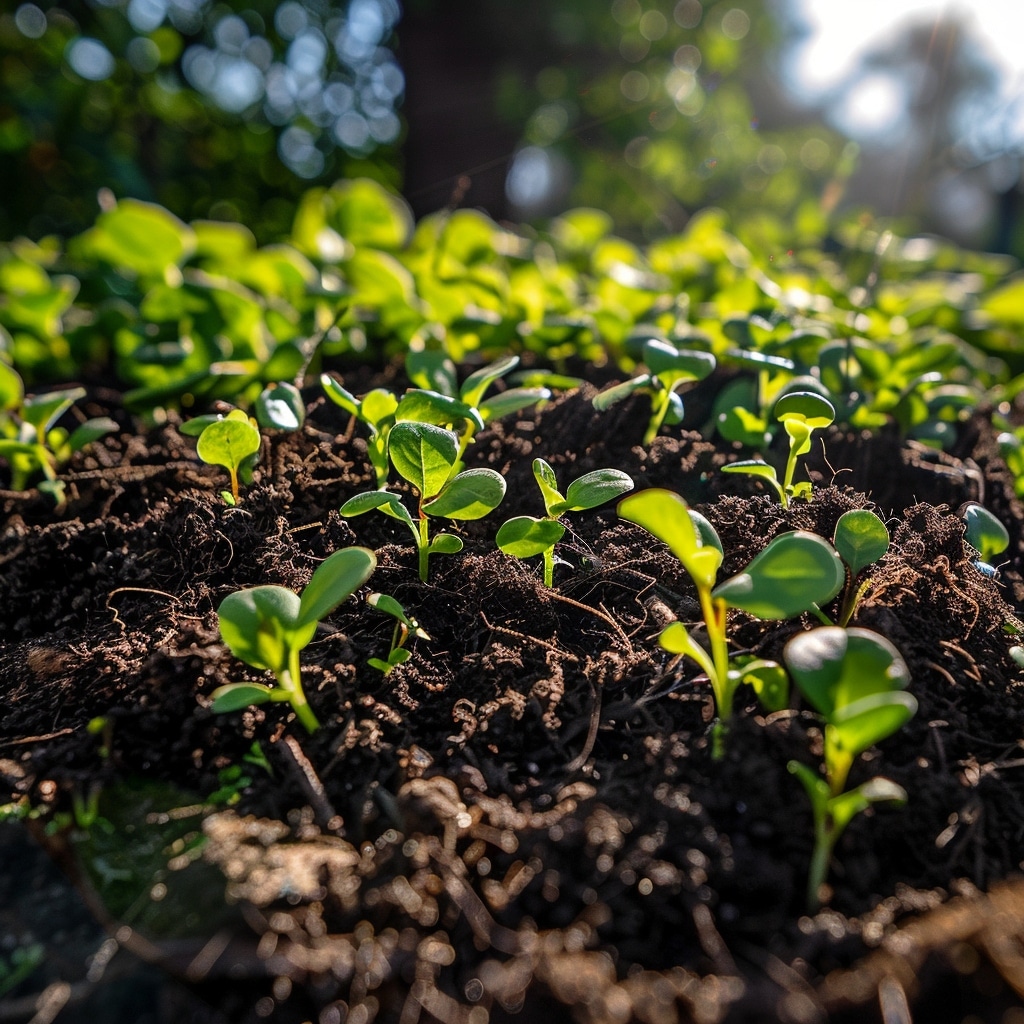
pixel 523 821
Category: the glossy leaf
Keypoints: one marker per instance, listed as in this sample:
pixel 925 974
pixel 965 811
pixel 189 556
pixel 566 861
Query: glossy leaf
pixel 524 536
pixel 386 501
pixel 260 625
pixel 280 407
pixel 860 538
pixel 546 481
pixel 474 386
pixel 665 515
pixel 239 696
pixel 984 532
pixel 472 494
pixel 432 407
pixel 793 574
pixel 595 488
pixel 423 454
pixel 675 638
pixel 335 579
pixel 228 443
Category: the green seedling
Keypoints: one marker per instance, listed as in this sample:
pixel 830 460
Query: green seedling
pixel 441 401
pixel 405 628
pixel 693 540
pixel 986 534
pixel 31 442
pixel 667 369
pixel 861 539
pixel 18 964
pixel 231 442
pixel 280 407
pixel 796 573
pixel 427 456
pixel 856 680
pixel 526 536
pixel 800 413
pixel 376 410
pixel 267 627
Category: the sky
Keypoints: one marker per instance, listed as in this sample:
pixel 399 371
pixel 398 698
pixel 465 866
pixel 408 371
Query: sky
pixel 839 31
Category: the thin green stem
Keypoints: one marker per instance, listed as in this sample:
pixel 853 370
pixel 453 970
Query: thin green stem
pixel 290 679
pixel 549 567
pixel 821 856
pixel 423 545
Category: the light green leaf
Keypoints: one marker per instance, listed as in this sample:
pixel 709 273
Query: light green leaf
pixel 335 579
pixel 593 489
pixel 445 544
pixel 280 407
pixel 546 481
pixel 793 574
pixel 257 625
pixel 432 407
pixel 239 696
pixel 228 442
pixel 387 502
pixel 474 386
pixel 524 536
pixel 860 538
pixel 423 454
pixel 676 639
pixel 470 495
pixel 859 725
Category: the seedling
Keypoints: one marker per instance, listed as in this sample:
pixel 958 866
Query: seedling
pixel 797 572
pixel 280 407
pixel 525 536
pixel 376 410
pixel 441 401
pixel 861 540
pixel 31 442
pixel 856 680
pixel 426 456
pixel 986 534
pixel 800 413
pixel 267 627
pixel 668 369
pixel 405 627
pixel 231 442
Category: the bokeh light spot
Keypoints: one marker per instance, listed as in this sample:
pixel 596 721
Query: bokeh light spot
pixel 31 21
pixel 90 59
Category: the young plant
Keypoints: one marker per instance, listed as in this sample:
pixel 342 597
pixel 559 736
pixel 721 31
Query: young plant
pixel 405 627
pixel 693 540
pixel 525 536
pixel 856 680
pixel 30 440
pixel 861 539
pixel 267 627
pixel 442 401
pixel 800 413
pixel 232 442
pixel 986 534
pixel 668 369
pixel 376 410
pixel 426 456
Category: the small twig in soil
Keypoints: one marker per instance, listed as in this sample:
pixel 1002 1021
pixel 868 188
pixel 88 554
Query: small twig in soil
pixel 326 816
pixel 136 590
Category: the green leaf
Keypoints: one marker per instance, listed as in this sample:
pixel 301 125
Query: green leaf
pixel 474 386
pixel 984 532
pixel 280 407
pixel 445 544
pixel 239 696
pixel 860 538
pixel 593 489
pixel 546 481
pixel 859 725
pixel 423 454
pixel 805 406
pixel 511 401
pixel 43 411
pixel 754 467
pixel 89 431
pixel 524 536
pixel 472 494
pixel 769 681
pixel 12 390
pixel 432 407
pixel 337 394
pixel 389 606
pixel 834 667
pixel 432 370
pixel 793 574
pixel 817 788
pixel 665 514
pixel 676 639
pixel 335 579
pixel 139 237
pixel 671 365
pixel 387 502
pixel 378 408
pixel 258 625
pixel 618 392
pixel 228 442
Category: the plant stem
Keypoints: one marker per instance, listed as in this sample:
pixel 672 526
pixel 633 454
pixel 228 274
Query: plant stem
pixel 423 544
pixel 714 618
pixel 290 679
pixel 821 856
pixel 549 567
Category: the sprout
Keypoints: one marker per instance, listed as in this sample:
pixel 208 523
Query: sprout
pixel 525 536
pixel 267 627
pixel 800 413
pixel 986 534
pixel 426 456
pixel 855 679
pixel 405 627
pixel 230 443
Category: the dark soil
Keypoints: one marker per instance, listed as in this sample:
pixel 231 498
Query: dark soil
pixel 524 818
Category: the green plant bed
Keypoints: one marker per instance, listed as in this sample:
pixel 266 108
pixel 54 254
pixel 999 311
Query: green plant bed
pixel 525 816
